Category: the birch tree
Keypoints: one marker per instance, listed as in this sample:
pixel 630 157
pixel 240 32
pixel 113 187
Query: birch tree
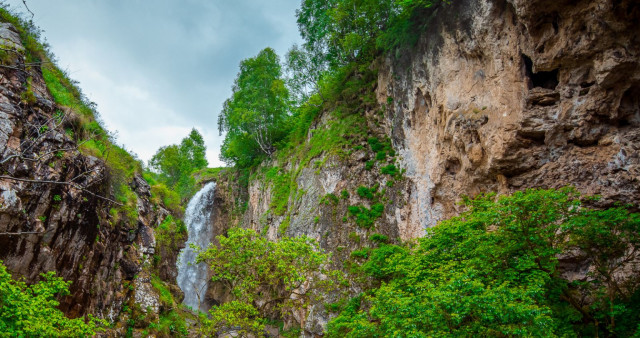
pixel 255 117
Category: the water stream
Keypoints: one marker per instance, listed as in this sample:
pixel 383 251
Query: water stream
pixel 192 278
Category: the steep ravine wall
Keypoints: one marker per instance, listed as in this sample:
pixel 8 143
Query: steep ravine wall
pixel 103 255
pixel 497 95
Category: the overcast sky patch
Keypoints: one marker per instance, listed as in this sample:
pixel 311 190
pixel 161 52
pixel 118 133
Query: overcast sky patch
pixel 158 68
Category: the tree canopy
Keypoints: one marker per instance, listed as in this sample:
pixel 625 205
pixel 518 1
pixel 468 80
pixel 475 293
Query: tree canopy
pixel 338 32
pixel 255 116
pixel 175 163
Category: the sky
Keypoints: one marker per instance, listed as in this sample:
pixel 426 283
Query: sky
pixel 158 68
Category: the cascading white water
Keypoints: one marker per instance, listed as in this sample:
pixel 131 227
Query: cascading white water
pixel 192 278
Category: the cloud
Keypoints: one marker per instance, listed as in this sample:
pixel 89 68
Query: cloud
pixel 158 68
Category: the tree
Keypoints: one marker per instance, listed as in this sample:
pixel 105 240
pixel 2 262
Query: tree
pixel 266 279
pixel 31 311
pixel 255 117
pixel 338 32
pixel 175 163
pixel 494 271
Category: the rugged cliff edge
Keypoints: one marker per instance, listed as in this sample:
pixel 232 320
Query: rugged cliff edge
pixel 498 95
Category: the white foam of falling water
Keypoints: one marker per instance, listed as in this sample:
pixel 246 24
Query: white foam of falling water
pixel 192 278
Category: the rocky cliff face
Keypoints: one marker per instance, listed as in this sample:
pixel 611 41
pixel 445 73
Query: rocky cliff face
pixel 498 95
pixel 507 95
pixel 55 201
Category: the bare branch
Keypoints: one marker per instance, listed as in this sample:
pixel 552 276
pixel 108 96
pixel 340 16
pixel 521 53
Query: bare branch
pixel 27 7
pixel 72 184
pixel 14 68
pixel 21 233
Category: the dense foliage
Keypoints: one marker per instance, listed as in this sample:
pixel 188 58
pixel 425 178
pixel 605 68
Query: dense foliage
pixel 174 164
pixel 495 271
pixel 339 32
pixel 31 310
pixel 266 279
pixel 255 116
pixel 269 110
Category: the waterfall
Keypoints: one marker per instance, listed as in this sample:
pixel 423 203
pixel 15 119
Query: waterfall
pixel 192 278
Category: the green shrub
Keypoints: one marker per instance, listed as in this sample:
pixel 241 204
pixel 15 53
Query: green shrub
pixel 365 217
pixel 256 268
pixel 170 232
pixel 375 144
pixel 495 270
pixel 170 324
pixel 378 238
pixel 360 254
pixel 329 199
pixel 32 311
pixel 282 185
pixel 389 170
pixel 166 298
pixel 365 192
pixel 369 165
pixel 161 194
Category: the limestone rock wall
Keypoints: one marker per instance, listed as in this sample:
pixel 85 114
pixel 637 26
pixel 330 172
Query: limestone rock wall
pixel 506 95
pixel 497 95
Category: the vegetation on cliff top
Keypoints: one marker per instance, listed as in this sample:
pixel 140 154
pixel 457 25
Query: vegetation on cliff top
pixel 329 72
pixel 172 168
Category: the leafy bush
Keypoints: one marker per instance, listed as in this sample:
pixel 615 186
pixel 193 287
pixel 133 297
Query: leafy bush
pixel 329 199
pixel 494 271
pixel 262 277
pixel 389 170
pixel 170 232
pixel 369 165
pixel 170 324
pixel 378 238
pixel 161 194
pixel 365 192
pixel 30 311
pixel 282 185
pixel 362 253
pixel 166 298
pixel 364 216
